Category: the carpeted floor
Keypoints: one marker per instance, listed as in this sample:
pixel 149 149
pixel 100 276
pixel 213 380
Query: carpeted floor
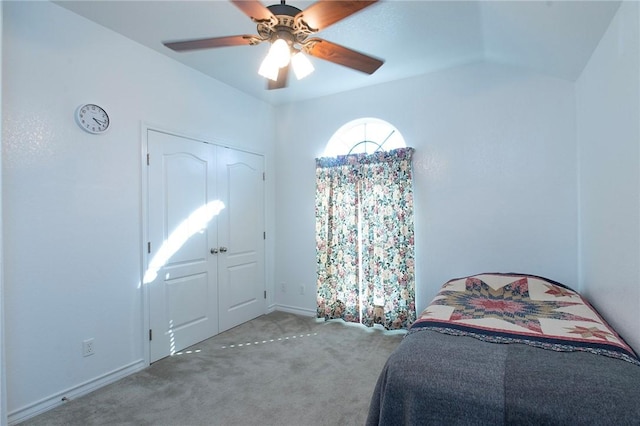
pixel 279 369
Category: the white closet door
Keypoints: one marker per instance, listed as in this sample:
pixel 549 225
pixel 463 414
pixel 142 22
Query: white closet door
pixel 241 268
pixel 182 229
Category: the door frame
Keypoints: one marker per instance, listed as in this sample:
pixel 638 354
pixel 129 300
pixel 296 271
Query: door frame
pixel 144 221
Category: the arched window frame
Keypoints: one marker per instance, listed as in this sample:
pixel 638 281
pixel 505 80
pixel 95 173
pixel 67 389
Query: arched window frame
pixel 364 135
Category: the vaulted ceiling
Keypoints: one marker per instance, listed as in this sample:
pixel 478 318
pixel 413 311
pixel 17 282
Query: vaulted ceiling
pixel 412 37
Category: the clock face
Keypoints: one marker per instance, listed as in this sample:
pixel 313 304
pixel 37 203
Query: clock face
pixel 92 118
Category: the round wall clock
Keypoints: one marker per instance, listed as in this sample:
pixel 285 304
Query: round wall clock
pixel 92 118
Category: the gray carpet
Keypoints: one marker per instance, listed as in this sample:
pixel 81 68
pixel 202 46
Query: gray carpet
pixel 279 369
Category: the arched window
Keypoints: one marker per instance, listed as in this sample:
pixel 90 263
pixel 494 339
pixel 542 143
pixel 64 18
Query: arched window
pixel 364 135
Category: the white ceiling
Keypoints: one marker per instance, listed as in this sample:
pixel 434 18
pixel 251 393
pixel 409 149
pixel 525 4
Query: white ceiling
pixel 413 38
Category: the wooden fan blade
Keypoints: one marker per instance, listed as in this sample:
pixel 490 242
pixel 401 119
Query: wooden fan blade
pixel 254 10
pixel 320 15
pixel 283 75
pixel 341 55
pixel 207 43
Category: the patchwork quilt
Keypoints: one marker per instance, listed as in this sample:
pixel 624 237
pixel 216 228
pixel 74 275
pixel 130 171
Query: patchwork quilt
pixel 514 308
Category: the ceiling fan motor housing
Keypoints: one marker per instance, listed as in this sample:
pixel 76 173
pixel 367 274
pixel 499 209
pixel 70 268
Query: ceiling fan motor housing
pixel 285 26
pixel 284 9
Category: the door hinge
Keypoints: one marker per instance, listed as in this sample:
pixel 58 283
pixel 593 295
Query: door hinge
pixel 263 176
pixel 149 247
pixel 264 235
pixel 265 294
pixel 148 155
pixel 150 334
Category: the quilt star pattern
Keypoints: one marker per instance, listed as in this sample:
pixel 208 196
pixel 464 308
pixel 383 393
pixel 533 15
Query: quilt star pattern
pixel 515 308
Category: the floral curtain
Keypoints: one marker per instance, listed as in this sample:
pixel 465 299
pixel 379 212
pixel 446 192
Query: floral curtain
pixel 364 238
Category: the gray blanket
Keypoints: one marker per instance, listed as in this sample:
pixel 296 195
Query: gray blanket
pixel 434 378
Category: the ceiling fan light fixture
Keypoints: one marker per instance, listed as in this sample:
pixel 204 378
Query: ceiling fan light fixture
pixel 269 69
pixel 280 53
pixel 302 66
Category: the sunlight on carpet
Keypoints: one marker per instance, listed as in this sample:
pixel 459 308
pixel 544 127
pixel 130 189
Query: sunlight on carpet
pixel 279 339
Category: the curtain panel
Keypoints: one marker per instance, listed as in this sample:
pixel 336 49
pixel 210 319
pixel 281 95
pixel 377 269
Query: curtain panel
pixel 365 238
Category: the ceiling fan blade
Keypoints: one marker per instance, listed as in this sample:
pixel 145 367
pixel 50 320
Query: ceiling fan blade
pixel 341 55
pixel 207 43
pixel 254 10
pixel 320 15
pixel 283 74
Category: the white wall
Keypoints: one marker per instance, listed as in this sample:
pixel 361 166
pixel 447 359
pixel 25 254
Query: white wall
pixel 3 384
pixel 608 93
pixel 495 183
pixel 72 201
pixel 495 175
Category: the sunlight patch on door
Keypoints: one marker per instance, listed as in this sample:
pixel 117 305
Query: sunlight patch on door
pixel 172 338
pixel 196 222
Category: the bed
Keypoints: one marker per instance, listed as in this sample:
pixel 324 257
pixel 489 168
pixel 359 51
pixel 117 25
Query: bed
pixel 496 349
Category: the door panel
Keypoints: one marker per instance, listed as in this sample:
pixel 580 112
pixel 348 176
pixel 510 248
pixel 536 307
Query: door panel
pixel 184 171
pixel 187 300
pixel 240 295
pixel 241 230
pixel 182 275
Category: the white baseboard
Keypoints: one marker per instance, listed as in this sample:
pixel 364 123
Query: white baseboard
pixel 296 310
pixel 56 400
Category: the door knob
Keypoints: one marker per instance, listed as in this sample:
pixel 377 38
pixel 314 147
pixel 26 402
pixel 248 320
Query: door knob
pixel 223 249
pixel 214 251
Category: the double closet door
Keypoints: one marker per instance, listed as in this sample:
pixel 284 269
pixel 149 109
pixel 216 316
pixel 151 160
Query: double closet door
pixel 205 254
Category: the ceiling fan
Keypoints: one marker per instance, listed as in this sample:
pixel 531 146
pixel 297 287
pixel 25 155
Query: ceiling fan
pixel 289 31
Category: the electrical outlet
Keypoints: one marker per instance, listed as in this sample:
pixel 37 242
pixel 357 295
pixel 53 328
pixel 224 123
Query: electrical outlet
pixel 283 287
pixel 88 347
pixel 301 289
